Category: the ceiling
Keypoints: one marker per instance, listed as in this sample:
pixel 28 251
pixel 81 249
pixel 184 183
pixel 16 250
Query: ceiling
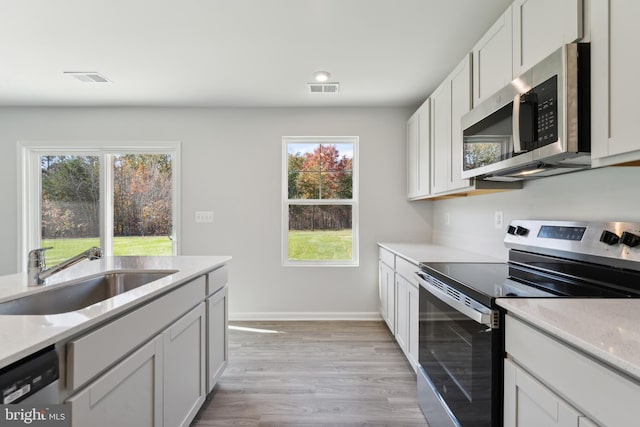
pixel 233 53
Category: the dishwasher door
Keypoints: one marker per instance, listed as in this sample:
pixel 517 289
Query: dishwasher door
pixel 33 379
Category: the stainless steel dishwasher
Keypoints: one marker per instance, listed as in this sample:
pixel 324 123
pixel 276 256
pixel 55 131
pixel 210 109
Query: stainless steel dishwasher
pixel 33 379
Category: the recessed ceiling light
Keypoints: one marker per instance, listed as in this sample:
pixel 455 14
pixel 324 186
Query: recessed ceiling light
pixel 322 76
pixel 88 76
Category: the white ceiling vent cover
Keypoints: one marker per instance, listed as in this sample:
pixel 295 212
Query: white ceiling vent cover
pixel 324 87
pixel 88 76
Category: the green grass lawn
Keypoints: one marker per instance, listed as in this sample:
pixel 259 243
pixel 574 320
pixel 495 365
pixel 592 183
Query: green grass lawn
pixel 66 248
pixel 320 245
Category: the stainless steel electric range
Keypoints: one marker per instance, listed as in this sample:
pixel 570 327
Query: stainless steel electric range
pixel 461 343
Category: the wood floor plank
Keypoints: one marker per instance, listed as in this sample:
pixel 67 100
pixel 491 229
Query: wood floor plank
pixel 311 374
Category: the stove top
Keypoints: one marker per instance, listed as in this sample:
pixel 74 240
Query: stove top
pixel 487 281
pixel 553 259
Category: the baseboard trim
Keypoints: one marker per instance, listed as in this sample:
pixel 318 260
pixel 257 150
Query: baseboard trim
pixel 291 316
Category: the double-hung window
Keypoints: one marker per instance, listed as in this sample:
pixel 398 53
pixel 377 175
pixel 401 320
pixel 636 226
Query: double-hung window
pixel 120 198
pixel 320 201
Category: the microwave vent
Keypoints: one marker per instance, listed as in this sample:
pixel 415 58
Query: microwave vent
pixel 88 77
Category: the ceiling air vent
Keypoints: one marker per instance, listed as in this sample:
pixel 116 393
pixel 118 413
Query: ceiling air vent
pixel 88 77
pixel 324 87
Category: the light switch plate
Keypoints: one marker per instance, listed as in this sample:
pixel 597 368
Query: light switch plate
pixel 204 216
pixel 497 219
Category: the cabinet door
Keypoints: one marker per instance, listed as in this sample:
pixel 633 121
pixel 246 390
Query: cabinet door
pixel 493 59
pixel 184 367
pixel 440 137
pixel 614 88
pixel 542 26
pixel 528 403
pixel 412 344
pixel 217 336
pixel 402 312
pixel 387 285
pixel 128 395
pixel 418 136
pixel 460 105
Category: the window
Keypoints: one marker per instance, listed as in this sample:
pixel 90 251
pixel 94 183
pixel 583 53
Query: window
pixel 122 199
pixel 320 201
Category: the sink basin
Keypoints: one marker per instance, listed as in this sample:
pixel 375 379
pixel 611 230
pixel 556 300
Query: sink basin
pixel 83 293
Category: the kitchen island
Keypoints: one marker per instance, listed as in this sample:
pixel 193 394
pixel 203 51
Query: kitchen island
pixel 158 347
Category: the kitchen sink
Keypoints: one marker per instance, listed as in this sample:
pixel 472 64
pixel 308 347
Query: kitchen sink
pixel 82 293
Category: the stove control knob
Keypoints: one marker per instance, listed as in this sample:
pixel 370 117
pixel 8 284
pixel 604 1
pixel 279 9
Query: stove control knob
pixel 511 230
pixel 609 238
pixel 522 231
pixel 630 239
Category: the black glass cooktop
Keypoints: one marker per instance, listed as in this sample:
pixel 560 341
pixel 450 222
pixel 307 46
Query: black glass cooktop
pixel 487 281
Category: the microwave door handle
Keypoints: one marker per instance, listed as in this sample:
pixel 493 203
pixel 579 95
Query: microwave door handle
pixel 477 316
pixel 515 117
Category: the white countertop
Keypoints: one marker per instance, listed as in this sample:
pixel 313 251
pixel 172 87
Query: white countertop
pixel 426 252
pixel 21 335
pixel 607 329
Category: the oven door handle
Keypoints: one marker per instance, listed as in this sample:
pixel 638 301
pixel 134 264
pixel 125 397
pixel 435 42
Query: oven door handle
pixel 484 317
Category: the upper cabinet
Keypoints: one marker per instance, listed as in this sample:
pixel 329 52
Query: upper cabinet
pixel 418 137
pixel 450 101
pixel 493 59
pixel 615 126
pixel 540 27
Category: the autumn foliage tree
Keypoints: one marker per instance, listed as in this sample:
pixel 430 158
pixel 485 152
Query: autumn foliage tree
pixel 322 174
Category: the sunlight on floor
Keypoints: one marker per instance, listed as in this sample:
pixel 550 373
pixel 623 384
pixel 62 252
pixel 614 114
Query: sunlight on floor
pixel 260 331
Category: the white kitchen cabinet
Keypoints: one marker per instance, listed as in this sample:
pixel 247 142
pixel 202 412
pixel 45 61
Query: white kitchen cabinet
pixel 528 403
pixel 130 394
pixel 614 89
pixel 407 310
pixel 440 136
pixel 542 26
pixel 184 367
pixel 554 375
pixel 217 336
pixel 449 102
pixel 387 295
pixel 418 137
pixel 493 59
pixel 387 287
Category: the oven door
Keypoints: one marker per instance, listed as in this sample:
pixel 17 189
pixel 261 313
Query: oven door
pixel 459 383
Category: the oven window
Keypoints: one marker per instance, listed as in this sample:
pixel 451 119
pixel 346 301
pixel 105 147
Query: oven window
pixel 456 354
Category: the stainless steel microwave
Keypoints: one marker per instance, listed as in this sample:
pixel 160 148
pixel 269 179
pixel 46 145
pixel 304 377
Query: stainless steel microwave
pixel 538 125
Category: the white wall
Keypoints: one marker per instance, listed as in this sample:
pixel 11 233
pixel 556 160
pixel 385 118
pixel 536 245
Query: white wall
pixel 231 164
pixel 608 194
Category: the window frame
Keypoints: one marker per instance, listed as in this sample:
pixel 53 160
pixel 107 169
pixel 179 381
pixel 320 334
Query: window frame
pixel 29 191
pixel 353 202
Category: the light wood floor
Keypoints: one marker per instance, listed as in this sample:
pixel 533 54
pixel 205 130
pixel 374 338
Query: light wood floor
pixel 307 374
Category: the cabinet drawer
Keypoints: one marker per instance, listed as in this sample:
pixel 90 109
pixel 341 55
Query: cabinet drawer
pixel 388 258
pixel 406 269
pixel 217 279
pixel 587 384
pixel 91 354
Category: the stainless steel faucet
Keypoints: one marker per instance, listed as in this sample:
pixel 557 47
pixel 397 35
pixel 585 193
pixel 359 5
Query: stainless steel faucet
pixel 37 268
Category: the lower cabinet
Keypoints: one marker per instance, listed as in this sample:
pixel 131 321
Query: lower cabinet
pixel 159 369
pixel 387 288
pixel 162 383
pixel 184 367
pixel 128 395
pixel 399 301
pixel 217 344
pixel 528 403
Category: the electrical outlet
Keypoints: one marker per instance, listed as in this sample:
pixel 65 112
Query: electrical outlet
pixel 447 218
pixel 204 216
pixel 497 219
